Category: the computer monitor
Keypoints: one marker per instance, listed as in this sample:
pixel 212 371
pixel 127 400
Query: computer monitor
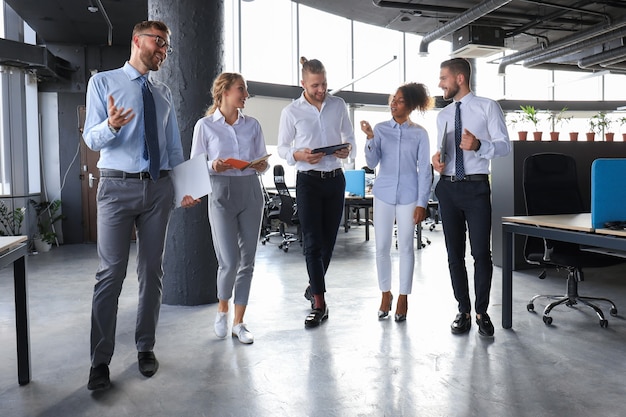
pixel 355 182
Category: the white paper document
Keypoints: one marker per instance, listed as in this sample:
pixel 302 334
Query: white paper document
pixel 444 144
pixel 191 178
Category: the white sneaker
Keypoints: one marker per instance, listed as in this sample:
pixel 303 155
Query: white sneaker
pixel 242 333
pixel 221 325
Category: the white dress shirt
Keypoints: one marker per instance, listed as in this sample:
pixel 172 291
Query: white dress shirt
pixel 243 140
pixel 483 117
pixel 303 126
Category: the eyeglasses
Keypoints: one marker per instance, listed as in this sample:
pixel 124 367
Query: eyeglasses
pixel 161 43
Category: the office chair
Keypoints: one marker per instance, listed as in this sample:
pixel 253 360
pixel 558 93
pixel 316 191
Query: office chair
pixel 551 187
pixel 288 214
pixel 271 210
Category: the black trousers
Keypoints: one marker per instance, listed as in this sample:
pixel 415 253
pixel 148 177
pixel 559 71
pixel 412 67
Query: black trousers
pixel 465 206
pixel 320 207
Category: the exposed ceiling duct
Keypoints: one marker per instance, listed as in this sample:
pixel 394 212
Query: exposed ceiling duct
pixel 471 15
pixel 609 57
pixel 559 51
pixel 34 58
pixel 543 48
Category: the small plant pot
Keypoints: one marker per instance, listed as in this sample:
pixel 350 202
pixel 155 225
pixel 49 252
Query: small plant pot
pixel 522 135
pixel 554 136
pixel 591 136
pixel 624 137
pixel 573 136
pixel 537 136
pixel 41 245
pixel 609 136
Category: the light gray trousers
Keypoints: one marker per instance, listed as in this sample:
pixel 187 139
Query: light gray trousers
pixel 122 204
pixel 235 213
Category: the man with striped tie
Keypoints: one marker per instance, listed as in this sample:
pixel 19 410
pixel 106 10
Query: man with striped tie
pixel 476 133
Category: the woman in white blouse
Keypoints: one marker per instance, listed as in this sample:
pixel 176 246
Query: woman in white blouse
pixel 401 188
pixel 236 200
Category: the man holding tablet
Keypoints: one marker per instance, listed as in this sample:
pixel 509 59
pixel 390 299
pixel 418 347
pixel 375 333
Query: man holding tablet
pixel 317 120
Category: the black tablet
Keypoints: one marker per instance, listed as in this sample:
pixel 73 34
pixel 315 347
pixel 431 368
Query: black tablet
pixel 329 150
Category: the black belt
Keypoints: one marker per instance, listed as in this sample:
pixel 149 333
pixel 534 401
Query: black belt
pixel 113 173
pixel 474 177
pixel 323 174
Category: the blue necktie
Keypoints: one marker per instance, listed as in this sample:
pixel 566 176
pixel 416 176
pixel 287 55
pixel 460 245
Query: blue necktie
pixel 458 130
pixel 151 140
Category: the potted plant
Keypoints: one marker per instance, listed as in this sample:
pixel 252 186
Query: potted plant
pixel 558 119
pixel 601 123
pixel 47 213
pixel 512 122
pixel 531 115
pixel 11 220
pixel 622 122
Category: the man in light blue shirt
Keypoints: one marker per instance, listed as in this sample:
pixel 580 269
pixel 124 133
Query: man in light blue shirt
pixel 129 196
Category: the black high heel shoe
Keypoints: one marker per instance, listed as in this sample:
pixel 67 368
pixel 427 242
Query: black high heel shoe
pixel 383 314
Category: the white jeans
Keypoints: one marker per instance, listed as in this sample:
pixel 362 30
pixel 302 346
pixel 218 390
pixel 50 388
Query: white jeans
pixel 384 216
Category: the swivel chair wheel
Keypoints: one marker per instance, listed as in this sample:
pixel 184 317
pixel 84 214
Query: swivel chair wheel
pixel 613 312
pixel 286 249
pixel 530 307
pixel 547 320
pixel 604 323
pixel 431 227
pixel 263 242
pixel 280 246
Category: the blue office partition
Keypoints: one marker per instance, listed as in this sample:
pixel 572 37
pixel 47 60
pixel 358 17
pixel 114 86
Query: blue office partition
pixel 608 191
pixel 355 182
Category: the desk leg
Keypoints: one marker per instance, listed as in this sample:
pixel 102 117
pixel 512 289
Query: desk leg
pixel 21 321
pixel 507 279
pixel 367 223
pixel 346 217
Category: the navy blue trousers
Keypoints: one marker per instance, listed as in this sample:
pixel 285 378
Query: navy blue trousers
pixel 466 206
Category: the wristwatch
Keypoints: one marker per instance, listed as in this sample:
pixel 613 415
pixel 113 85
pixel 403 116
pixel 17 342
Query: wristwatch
pixel 112 129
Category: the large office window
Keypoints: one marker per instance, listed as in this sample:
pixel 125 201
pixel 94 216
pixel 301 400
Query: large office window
pixel 577 86
pixel 317 31
pixel 425 69
pixel 267 37
pixel 5 156
pixel 374 46
pixel 518 86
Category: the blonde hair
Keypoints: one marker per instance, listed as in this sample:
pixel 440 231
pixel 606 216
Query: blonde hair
pixel 312 66
pixel 222 83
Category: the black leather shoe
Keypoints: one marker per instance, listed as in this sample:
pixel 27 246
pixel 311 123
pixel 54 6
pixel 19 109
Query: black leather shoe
pixel 316 317
pixel 485 326
pixel 461 324
pixel 309 296
pixel 148 363
pixel 99 378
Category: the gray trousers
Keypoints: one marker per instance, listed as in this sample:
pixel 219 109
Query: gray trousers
pixel 235 213
pixel 122 204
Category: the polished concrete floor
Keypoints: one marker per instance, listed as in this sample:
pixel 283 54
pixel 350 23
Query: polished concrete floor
pixel 353 365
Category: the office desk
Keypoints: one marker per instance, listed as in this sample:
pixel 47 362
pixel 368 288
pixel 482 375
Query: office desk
pixel 358 202
pixel 13 250
pixel 574 228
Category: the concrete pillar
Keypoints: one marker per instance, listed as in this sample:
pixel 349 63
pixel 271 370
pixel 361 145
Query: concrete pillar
pixel 197 26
